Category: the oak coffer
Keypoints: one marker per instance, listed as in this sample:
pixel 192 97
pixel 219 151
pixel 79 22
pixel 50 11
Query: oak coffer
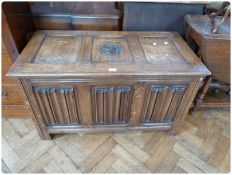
pixel 108 81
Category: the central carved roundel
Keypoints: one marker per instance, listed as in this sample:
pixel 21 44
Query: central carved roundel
pixel 111 49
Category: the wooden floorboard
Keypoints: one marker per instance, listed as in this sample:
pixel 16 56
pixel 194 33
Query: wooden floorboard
pixel 203 146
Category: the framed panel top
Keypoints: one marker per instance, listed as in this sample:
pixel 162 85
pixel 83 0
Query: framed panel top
pixel 102 53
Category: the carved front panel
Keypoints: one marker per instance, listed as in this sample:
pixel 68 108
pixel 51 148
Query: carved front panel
pixel 161 103
pixel 111 104
pixel 58 106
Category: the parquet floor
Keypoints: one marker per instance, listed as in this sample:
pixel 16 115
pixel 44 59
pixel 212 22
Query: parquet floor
pixel 202 147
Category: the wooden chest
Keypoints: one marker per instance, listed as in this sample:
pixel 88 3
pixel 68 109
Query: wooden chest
pixel 108 81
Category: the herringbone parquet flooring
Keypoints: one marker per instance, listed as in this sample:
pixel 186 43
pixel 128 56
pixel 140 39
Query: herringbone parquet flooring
pixel 202 147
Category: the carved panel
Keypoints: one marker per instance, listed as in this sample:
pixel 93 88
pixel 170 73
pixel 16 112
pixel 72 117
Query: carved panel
pixel 112 105
pixel 111 50
pixel 57 105
pixel 161 103
pixel 161 50
pixel 58 50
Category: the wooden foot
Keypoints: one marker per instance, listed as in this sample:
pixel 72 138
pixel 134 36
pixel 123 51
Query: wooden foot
pixel 202 92
pixel 173 132
pixel 45 136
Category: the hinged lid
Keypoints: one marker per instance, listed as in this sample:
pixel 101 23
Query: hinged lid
pixel 84 53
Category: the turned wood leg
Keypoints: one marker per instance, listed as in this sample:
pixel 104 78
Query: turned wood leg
pixel 202 92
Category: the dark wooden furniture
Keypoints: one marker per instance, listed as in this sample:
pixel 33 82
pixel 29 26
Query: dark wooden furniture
pixel 108 81
pixel 14 103
pixel 17 27
pixel 155 16
pixel 214 50
pixel 76 15
pixel 16 31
